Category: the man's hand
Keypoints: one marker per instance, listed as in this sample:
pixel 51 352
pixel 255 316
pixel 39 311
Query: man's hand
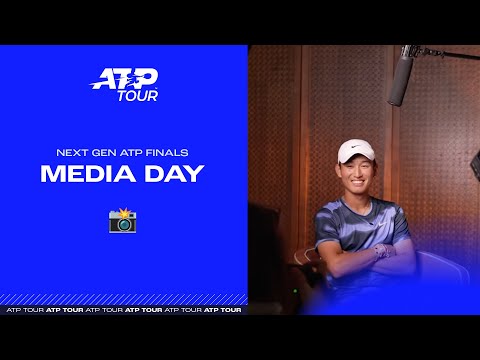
pixel 402 263
pixel 391 250
pixel 384 251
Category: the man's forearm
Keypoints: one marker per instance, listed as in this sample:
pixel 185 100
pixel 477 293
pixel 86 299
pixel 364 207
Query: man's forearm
pixel 396 265
pixel 348 263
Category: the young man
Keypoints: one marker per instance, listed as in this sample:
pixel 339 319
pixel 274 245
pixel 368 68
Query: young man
pixel 364 241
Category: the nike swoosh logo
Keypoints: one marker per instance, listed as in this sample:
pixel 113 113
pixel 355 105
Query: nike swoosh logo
pixel 381 224
pixel 355 146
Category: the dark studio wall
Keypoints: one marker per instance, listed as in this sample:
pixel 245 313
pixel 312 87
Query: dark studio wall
pixel 304 101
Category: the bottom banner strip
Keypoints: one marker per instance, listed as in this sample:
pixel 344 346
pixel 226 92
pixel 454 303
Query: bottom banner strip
pixel 123 310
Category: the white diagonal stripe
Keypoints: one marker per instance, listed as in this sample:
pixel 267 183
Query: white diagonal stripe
pixel 221 299
pixel 118 299
pixel 110 303
pixel 9 297
pixel 35 298
pixel 179 299
pixel 86 301
pixel 80 298
pixel 64 300
pixel 195 302
pixel 72 302
pixel 145 302
pixel 107 298
pixel 239 299
pixel 157 302
pixel 227 299
pixel 216 299
pixel 203 301
pixel 101 299
pixel 13 302
pixel 246 299
pixel 81 302
pixel 47 298
pixel 185 299
pixel 26 302
pixel 142 302
pixel 173 299
pixel 20 301
pixel 138 299
pixel 59 299
pixel 12 299
pixel 126 297
pixel 4 299
pixel 233 299
pixel 191 300
pixel 133 297
pixel 154 300
pixel 19 298
pixel 200 303
pixel 69 300
pixel 54 297
pixel 166 299
pixel 206 302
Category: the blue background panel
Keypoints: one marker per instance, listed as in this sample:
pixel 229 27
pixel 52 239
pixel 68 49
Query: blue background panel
pixel 191 237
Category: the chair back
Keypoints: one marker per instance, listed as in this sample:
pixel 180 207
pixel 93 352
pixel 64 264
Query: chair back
pixel 433 268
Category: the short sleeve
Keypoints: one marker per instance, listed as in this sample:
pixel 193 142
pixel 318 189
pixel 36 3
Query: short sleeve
pixel 401 231
pixel 325 227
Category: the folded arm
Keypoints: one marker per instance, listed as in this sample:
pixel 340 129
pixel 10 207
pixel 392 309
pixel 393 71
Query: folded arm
pixel 340 263
pixel 403 263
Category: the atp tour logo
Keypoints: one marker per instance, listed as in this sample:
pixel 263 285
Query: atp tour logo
pixel 125 78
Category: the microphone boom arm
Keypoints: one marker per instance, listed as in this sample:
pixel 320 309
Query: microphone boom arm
pixel 404 67
pixel 415 50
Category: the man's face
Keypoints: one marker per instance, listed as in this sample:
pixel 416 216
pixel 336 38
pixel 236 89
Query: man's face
pixel 356 174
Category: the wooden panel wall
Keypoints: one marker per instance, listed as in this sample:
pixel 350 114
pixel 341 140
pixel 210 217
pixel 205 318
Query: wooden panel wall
pixel 439 136
pixel 273 118
pixel 305 100
pixel 346 95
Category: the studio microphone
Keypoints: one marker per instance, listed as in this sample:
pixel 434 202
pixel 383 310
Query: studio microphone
pixel 402 74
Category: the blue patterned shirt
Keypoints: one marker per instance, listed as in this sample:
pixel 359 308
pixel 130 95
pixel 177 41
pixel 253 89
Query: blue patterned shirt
pixel 385 223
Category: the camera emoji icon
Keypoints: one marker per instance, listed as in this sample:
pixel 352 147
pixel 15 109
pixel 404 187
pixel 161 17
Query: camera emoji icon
pixel 123 221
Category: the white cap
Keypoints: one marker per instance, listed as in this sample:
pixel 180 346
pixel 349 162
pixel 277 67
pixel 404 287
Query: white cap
pixel 353 147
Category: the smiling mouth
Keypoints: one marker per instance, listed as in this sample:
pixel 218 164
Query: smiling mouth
pixel 358 182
